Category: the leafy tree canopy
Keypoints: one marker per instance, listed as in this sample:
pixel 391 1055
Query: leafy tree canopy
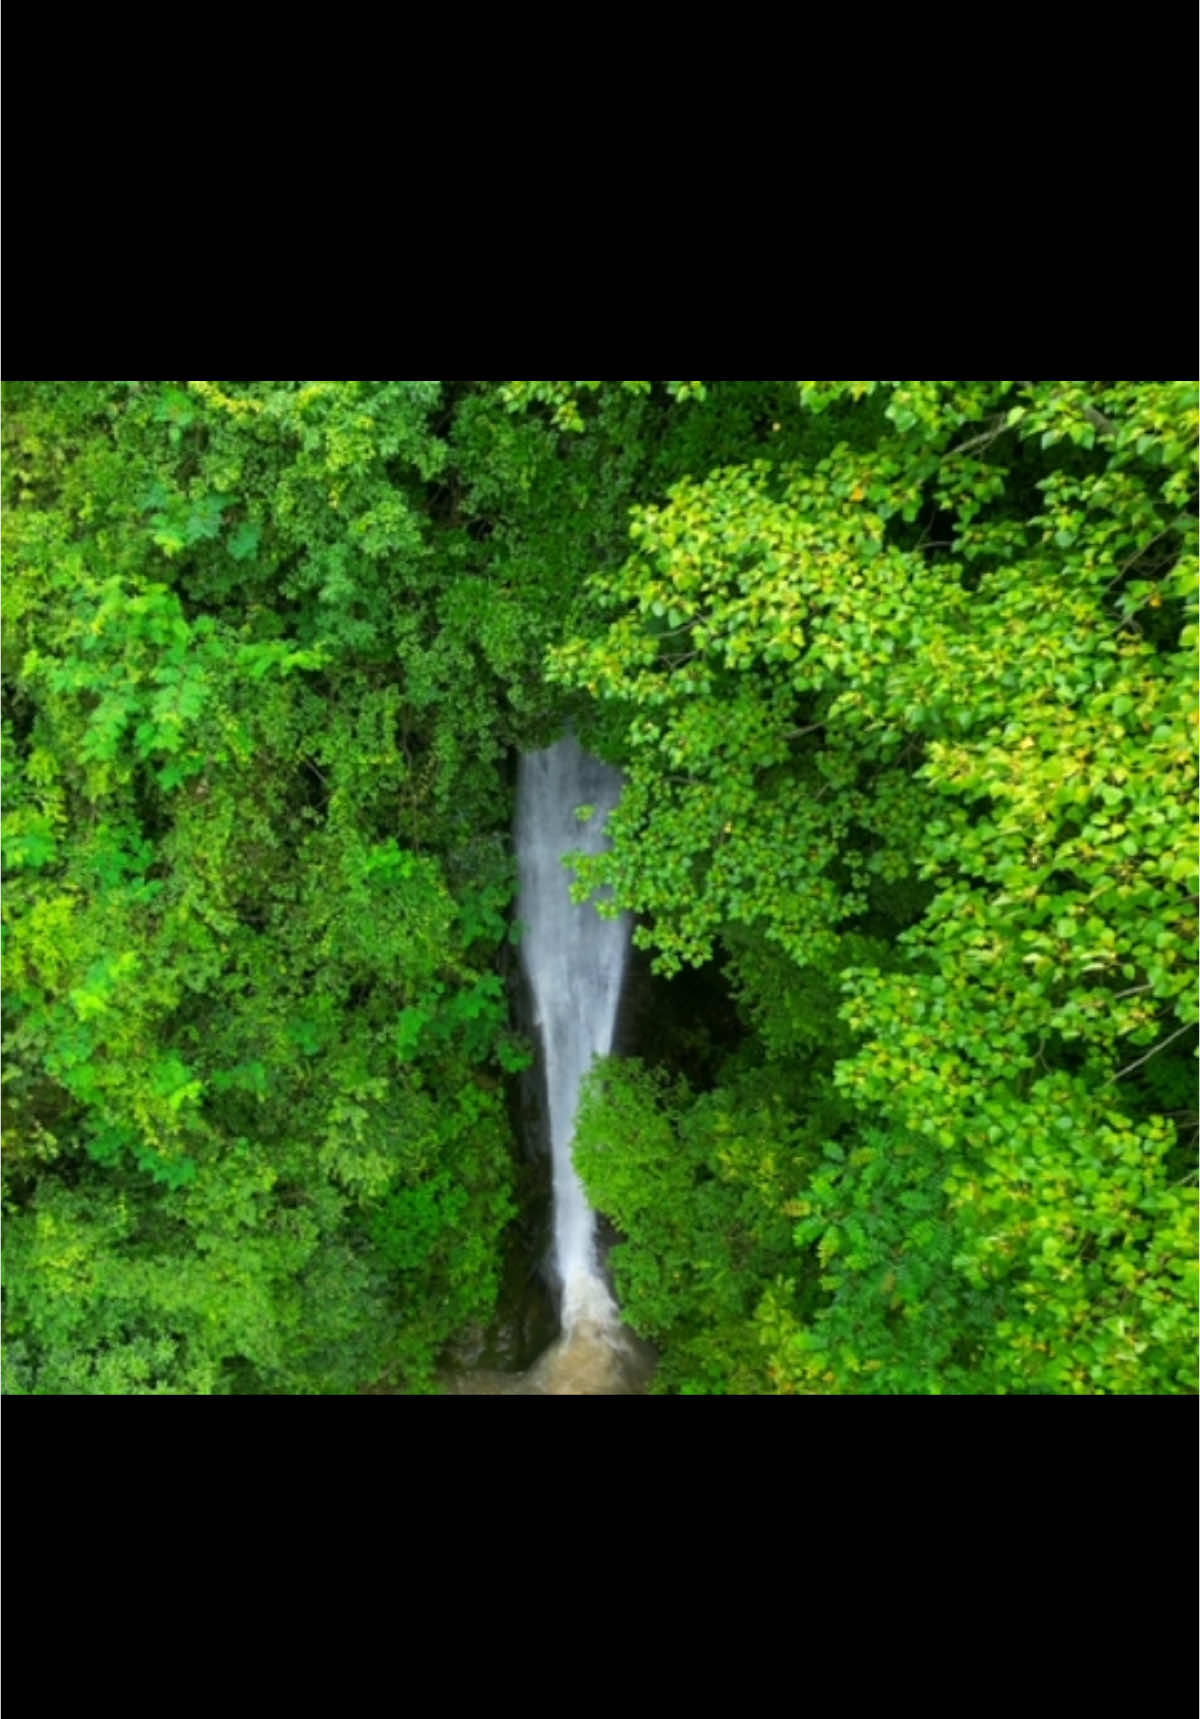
pixel 902 678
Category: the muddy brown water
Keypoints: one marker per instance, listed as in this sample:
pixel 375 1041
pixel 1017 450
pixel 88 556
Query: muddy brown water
pixel 589 1361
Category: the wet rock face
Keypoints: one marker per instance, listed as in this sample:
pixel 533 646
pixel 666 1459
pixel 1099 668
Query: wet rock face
pixel 688 1023
pixel 525 1322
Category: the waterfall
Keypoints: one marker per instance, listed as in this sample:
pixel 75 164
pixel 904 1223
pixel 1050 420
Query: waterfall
pixel 575 962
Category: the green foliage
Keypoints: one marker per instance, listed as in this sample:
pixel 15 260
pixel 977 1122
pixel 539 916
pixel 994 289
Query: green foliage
pixel 941 687
pixel 902 677
pixel 701 1186
pixel 255 885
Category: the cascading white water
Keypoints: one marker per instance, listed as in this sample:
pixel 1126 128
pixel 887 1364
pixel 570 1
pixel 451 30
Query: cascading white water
pixel 575 962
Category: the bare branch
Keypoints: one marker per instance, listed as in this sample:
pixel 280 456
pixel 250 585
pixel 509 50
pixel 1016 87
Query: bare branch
pixel 1188 1027
pixel 989 435
pixel 1097 419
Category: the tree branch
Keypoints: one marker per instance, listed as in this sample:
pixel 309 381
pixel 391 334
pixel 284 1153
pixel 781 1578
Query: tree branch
pixel 1097 419
pixel 989 435
pixel 1188 1027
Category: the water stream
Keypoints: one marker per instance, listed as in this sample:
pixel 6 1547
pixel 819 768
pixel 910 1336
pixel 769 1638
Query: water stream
pixel 575 962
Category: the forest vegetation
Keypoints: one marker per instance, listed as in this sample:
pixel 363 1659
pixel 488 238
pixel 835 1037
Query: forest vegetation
pixel 902 678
